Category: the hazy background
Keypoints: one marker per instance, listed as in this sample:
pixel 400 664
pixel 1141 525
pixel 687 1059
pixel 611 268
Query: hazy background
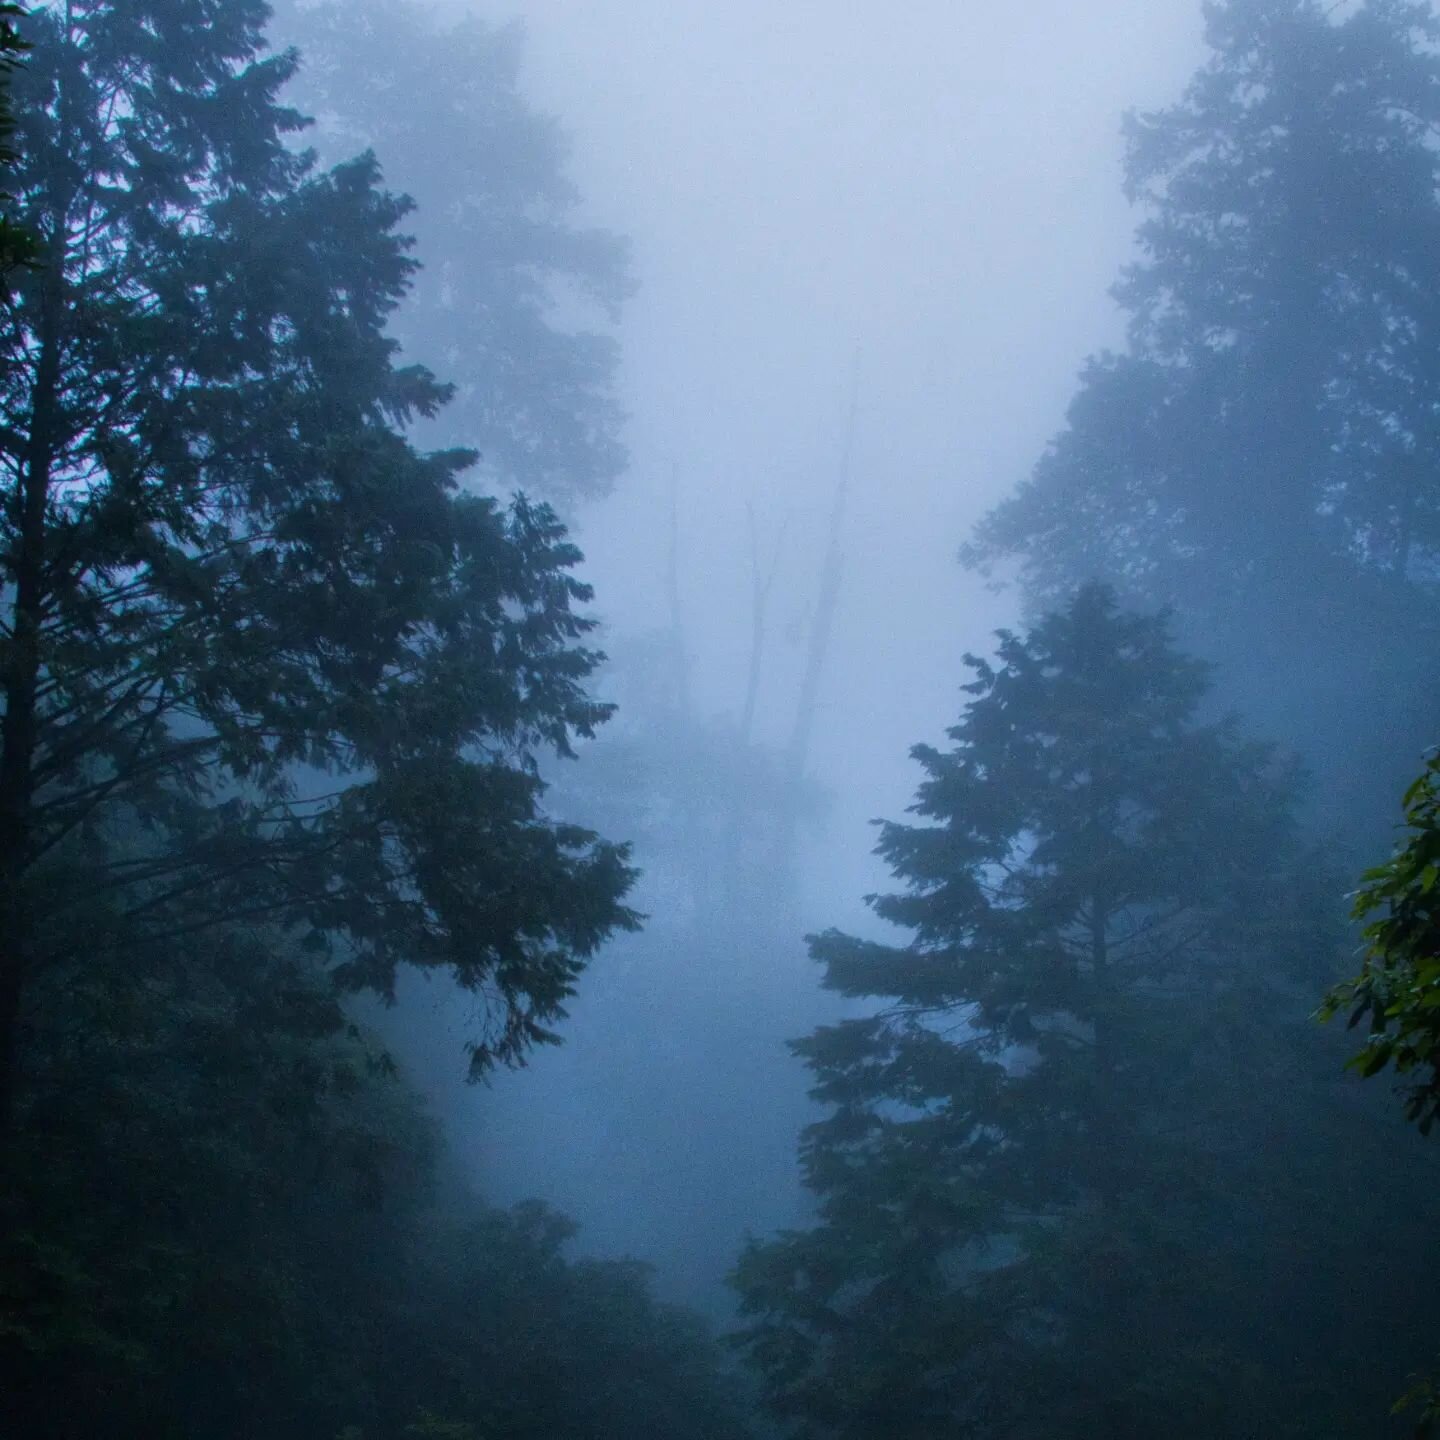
pixel 930 191
pixel 935 186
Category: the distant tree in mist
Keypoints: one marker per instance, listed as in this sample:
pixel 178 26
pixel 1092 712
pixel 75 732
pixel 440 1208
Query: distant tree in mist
pixel 1264 454
pixel 1061 1187
pixel 512 283
pixel 259 656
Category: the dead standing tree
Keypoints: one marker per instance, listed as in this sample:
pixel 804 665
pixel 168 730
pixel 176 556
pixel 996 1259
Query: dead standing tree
pixel 759 878
pixel 797 754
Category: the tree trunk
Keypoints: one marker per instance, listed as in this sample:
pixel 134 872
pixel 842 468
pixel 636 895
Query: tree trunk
pixel 1105 1136
pixel 19 726
pixel 797 755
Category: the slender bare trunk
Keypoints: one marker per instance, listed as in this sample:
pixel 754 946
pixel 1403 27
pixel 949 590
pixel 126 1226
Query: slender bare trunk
pixel 679 657
pixel 797 758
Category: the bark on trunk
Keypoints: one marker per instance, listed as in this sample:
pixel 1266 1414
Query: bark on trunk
pixel 19 726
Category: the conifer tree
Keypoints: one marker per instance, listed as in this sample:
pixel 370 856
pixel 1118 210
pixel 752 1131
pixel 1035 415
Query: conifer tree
pixel 259 656
pixel 1265 446
pixel 1049 1196
pixel 516 294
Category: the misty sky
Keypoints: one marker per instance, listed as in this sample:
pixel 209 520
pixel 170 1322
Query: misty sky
pixel 933 184
pixel 936 187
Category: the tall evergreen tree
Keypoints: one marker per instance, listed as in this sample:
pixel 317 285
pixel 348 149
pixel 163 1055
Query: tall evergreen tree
pixel 258 655
pixel 1057 1190
pixel 1266 445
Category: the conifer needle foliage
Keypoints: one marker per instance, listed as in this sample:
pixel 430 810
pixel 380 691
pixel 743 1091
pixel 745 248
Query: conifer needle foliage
pixel 1055 1183
pixel 245 625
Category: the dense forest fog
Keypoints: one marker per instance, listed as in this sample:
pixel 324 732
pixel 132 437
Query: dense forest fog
pixel 702 706
pixel 826 211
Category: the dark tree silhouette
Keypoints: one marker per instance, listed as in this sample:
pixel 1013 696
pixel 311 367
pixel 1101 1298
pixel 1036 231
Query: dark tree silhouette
pixel 259 656
pixel 1055 1183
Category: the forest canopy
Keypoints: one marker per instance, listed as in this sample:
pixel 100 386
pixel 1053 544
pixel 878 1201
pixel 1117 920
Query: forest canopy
pixel 263 658
pixel 321 797
pixel 275 682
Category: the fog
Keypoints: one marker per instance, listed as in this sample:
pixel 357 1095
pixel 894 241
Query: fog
pixel 693 697
pixel 921 212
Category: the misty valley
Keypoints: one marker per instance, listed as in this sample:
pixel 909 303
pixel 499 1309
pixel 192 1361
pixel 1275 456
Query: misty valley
pixel 719 722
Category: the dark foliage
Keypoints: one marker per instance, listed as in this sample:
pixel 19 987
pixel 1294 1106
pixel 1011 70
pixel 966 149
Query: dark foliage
pixel 17 245
pixel 1085 1156
pixel 1266 444
pixel 1398 989
pixel 245 619
pixel 233 1219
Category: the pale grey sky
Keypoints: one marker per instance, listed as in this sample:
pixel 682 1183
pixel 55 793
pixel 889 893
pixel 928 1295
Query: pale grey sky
pixel 936 186
pixel 935 183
